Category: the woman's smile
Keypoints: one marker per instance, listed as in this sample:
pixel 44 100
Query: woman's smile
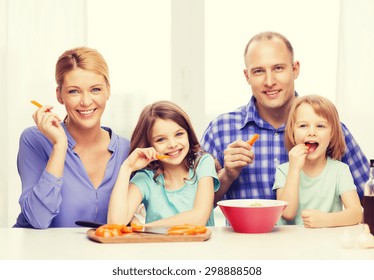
pixel 86 112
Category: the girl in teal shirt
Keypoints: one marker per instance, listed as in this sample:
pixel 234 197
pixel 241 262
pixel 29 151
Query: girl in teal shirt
pixel 314 182
pixel 170 174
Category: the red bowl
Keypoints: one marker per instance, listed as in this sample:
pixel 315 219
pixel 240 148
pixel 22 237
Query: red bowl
pixel 252 215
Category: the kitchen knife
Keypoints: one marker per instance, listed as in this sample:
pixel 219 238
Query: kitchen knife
pixel 88 224
pixel 152 230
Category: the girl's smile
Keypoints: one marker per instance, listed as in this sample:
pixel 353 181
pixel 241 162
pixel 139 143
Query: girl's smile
pixel 174 154
pixel 170 139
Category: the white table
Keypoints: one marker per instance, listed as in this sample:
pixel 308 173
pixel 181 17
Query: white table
pixel 283 243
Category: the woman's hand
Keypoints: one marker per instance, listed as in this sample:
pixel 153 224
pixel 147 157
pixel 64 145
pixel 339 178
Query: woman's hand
pixel 49 124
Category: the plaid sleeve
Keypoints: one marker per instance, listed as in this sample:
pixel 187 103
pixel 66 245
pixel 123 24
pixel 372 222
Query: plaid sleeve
pixel 356 160
pixel 207 140
pixel 208 143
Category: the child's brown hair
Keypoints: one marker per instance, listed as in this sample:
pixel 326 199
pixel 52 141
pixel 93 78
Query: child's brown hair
pixel 166 110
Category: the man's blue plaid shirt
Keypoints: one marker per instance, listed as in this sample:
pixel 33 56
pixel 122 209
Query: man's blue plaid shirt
pixel 256 180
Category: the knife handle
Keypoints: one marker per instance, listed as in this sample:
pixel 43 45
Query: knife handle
pixel 88 224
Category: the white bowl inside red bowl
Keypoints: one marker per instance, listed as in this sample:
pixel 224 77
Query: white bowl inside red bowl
pixel 252 215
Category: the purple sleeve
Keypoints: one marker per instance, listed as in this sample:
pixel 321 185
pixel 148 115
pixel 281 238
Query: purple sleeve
pixel 41 192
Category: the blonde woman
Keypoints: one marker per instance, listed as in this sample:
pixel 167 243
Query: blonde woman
pixel 68 168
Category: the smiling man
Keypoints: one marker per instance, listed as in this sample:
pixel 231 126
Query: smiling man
pixel 248 171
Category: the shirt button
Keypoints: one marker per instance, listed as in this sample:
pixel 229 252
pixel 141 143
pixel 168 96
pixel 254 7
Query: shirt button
pixel 276 162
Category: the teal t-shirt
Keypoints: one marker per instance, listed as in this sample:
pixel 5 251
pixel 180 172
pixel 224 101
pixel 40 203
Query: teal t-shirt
pixel 322 192
pixel 161 203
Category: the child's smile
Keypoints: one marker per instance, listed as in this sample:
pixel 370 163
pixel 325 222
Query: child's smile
pixel 170 139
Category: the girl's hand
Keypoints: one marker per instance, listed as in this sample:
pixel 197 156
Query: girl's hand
pixel 312 218
pixel 297 156
pixel 140 158
pixel 49 124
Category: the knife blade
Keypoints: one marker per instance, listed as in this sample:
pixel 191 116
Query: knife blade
pixel 151 230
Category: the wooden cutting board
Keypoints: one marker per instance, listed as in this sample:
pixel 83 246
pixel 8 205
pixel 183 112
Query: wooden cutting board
pixel 148 237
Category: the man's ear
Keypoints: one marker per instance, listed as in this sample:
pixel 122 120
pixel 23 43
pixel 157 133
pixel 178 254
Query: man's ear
pixel 245 72
pixel 296 69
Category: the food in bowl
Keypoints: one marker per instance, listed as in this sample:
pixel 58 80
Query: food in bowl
pixel 255 204
pixel 252 215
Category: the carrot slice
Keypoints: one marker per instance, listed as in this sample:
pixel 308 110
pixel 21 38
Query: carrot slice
pixel 111 230
pixel 200 229
pixel 125 230
pixel 190 231
pixel 253 139
pixel 162 156
pixel 179 227
pixel 136 227
pixel 186 230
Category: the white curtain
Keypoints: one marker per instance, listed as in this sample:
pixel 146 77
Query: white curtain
pixel 355 74
pixel 33 34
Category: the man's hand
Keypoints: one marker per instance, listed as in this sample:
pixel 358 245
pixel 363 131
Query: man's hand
pixel 237 155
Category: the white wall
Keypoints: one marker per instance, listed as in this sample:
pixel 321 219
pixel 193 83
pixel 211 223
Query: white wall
pixel 36 33
pixel 3 118
pixel 136 38
pixel 311 26
pixel 355 87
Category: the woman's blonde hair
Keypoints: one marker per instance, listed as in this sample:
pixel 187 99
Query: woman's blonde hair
pixel 84 58
pixel 326 109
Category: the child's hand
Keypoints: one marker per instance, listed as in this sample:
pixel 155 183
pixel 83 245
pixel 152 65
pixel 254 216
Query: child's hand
pixel 297 156
pixel 312 218
pixel 140 158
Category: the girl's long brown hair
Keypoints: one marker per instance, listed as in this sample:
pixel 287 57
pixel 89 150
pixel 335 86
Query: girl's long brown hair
pixel 166 110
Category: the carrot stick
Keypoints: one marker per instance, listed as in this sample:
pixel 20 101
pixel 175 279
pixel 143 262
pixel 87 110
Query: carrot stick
pixel 37 104
pixel 253 139
pixel 162 156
